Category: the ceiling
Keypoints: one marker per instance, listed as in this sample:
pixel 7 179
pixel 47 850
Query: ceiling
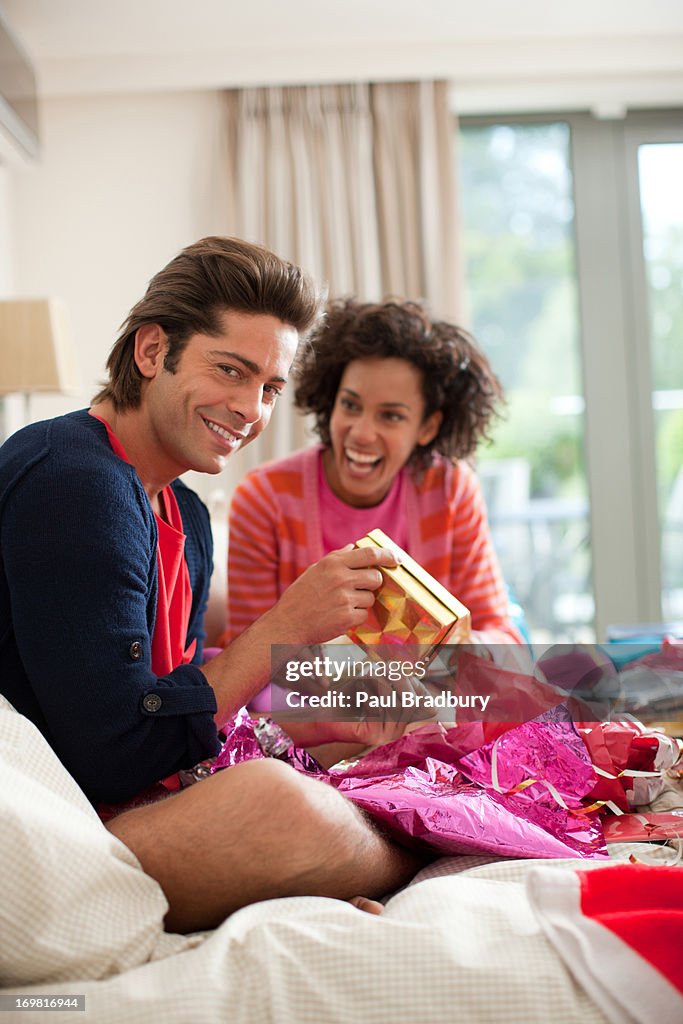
pixel 96 46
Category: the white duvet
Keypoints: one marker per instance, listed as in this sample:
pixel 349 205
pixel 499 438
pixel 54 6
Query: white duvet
pixel 78 916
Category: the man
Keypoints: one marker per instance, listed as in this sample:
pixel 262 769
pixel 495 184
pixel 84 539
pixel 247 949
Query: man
pixel 104 581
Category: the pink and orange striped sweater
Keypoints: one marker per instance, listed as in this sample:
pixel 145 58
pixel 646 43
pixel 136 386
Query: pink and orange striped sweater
pixel 275 534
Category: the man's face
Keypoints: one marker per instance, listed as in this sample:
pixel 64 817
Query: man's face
pixel 221 395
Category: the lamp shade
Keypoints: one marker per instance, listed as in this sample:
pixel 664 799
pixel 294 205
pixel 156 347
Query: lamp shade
pixel 36 347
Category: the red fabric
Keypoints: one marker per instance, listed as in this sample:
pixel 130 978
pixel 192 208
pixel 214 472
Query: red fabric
pixel 174 600
pixel 643 906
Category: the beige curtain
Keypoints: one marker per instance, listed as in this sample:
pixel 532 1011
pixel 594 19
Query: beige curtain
pixel 357 184
pixel 415 176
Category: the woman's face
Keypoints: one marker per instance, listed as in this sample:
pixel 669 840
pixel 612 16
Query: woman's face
pixel 376 423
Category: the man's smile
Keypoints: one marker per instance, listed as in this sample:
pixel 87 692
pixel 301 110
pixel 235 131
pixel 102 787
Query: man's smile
pixel 232 437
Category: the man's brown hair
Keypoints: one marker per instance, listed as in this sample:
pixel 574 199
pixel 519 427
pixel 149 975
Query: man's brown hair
pixel 192 292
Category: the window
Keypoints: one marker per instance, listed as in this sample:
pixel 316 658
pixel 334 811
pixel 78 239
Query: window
pixel 573 233
pixel 660 173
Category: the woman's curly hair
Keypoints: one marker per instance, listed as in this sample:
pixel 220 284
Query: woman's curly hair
pixel 457 379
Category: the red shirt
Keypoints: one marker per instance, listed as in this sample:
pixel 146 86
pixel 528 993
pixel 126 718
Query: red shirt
pixel 174 598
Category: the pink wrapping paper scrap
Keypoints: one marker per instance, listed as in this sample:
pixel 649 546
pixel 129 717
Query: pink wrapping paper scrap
pixel 650 827
pixel 434 739
pixel 669 658
pixel 517 697
pixel 240 742
pixel 436 806
pixel 514 696
pixel 414 789
pixel 541 770
pixel 247 739
pixel 550 752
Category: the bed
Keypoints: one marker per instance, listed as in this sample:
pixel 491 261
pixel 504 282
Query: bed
pixel 471 939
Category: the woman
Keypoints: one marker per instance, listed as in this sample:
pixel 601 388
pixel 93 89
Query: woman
pixel 400 402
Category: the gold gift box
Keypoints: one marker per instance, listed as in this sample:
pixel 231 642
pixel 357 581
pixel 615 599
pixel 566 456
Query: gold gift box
pixel 411 607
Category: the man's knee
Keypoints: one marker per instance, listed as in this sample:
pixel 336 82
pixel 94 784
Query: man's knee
pixel 286 798
pixel 305 824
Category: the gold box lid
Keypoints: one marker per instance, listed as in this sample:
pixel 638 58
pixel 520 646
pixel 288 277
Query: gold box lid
pixel 434 597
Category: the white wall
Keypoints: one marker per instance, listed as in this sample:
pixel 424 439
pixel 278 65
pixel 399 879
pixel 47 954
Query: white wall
pixel 123 183
pixel 6 272
pixel 10 405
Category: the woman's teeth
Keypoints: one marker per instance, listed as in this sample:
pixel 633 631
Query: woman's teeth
pixel 361 458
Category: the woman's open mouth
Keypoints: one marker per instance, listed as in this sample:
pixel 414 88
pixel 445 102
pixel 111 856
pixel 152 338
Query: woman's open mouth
pixel 361 464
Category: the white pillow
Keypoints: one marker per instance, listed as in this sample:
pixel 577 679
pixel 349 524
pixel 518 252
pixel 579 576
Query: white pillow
pixel 75 901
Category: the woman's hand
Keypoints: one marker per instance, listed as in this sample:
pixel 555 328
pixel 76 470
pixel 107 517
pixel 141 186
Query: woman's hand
pixel 366 733
pixel 330 742
pixel 371 728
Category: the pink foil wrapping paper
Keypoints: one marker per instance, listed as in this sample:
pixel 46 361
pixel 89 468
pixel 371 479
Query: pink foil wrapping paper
pixel 448 789
pixel 436 805
pixel 548 751
pixel 241 743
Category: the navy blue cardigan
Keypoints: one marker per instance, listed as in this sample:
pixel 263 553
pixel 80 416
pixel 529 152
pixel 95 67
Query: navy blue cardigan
pixel 78 592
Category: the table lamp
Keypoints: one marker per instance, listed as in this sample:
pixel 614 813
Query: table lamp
pixel 36 349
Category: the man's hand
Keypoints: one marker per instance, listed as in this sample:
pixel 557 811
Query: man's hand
pixel 330 597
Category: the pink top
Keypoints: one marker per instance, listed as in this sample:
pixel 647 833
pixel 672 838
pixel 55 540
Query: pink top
pixel 338 520
pixel 277 530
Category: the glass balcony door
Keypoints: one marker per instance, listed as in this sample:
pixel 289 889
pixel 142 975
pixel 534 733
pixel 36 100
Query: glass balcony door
pixel 654 155
pixel 574 248
pixel 518 215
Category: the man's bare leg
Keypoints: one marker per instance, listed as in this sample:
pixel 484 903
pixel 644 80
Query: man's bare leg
pixel 257 831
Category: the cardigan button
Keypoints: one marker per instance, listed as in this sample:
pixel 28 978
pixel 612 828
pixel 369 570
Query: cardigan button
pixel 135 650
pixel 151 702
